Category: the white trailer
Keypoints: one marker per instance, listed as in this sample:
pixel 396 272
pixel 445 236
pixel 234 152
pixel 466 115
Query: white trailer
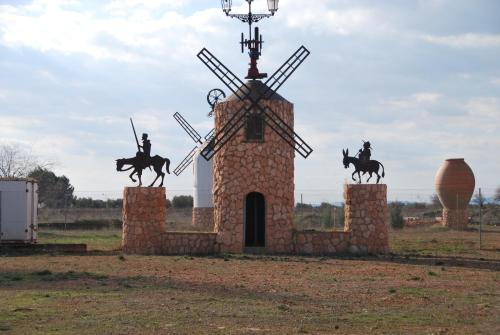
pixel 18 210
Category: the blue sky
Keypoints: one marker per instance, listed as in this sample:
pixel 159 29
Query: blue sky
pixel 419 79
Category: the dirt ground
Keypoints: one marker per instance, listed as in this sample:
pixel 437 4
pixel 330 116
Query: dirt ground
pixel 426 286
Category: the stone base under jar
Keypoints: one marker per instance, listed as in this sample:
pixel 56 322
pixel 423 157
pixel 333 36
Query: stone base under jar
pixel 455 218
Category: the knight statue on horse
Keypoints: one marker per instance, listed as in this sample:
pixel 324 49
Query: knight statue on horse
pixel 143 160
pixel 363 163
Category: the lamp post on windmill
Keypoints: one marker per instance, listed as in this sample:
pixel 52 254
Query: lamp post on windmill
pixel 254 45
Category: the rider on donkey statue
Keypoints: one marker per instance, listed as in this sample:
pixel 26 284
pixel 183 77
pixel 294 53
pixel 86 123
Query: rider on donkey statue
pixel 364 163
pixel 365 153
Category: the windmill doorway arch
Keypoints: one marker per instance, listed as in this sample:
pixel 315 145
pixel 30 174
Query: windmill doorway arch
pixel 255 220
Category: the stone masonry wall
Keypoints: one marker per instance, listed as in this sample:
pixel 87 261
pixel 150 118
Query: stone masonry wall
pixel 242 167
pixel 321 242
pixel 178 243
pixel 455 218
pixel 366 217
pixel 203 218
pixel 144 217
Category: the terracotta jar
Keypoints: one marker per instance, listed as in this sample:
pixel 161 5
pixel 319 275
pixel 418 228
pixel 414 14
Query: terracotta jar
pixel 454 183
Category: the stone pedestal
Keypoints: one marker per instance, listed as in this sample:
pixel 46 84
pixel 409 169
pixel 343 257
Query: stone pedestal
pixel 366 217
pixel 455 218
pixel 144 217
pixel 203 218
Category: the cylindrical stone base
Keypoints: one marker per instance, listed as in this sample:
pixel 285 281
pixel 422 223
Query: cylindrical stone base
pixel 144 217
pixel 203 218
pixel 366 217
pixel 455 218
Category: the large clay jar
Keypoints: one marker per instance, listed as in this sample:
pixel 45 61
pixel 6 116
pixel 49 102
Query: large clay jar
pixel 454 185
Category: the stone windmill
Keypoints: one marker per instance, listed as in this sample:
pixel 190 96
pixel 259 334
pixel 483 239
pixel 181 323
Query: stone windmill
pixel 253 147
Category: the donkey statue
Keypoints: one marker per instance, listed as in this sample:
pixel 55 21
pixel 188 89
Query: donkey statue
pixel 370 166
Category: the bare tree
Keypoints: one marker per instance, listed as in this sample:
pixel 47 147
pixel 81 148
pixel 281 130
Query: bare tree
pixel 479 199
pixel 17 163
pixel 497 195
pixel 435 200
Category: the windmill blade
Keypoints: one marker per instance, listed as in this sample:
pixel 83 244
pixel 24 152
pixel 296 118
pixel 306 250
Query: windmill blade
pixel 285 132
pixel 278 78
pixel 243 92
pixel 223 73
pixel 210 135
pixel 185 162
pixel 188 128
pixel 232 126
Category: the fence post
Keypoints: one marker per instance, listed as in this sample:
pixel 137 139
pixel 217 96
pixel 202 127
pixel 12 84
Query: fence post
pixel 480 220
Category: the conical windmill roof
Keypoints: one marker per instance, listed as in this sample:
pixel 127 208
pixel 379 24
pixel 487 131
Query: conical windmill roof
pixel 257 88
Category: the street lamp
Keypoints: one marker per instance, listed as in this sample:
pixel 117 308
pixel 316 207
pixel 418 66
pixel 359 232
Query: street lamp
pixel 254 44
pixel 226 6
pixel 272 6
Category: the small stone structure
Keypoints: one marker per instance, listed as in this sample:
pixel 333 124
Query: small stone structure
pixel 455 218
pixel 144 218
pixel 413 222
pixel 366 217
pixel 365 230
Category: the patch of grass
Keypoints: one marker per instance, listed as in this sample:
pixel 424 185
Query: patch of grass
pixel 283 307
pixel 47 276
pixel 4 326
pixel 432 273
pixel 95 240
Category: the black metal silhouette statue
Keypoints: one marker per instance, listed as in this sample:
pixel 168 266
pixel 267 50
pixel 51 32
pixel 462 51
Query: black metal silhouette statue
pixel 363 163
pixel 143 160
pixel 365 153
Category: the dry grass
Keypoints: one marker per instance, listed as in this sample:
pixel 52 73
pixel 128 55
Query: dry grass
pixel 241 294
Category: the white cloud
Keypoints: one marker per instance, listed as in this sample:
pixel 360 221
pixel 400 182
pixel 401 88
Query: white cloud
pixel 321 18
pixel 12 126
pixel 468 40
pixel 495 81
pixel 413 101
pixel 484 107
pixel 137 35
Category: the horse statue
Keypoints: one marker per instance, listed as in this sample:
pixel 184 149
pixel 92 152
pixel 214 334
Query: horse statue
pixel 370 166
pixel 137 164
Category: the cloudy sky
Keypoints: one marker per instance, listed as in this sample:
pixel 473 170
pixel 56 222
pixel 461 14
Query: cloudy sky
pixel 419 79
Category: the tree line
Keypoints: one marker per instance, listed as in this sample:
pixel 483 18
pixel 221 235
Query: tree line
pixel 56 191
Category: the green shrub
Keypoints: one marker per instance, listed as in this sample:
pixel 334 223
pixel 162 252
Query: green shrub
pixel 397 221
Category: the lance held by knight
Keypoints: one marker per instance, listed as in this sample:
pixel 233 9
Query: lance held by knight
pixel 143 153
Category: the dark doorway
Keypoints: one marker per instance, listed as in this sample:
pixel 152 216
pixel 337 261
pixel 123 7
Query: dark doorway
pixel 255 220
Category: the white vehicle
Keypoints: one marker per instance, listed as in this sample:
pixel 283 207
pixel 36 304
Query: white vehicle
pixel 18 210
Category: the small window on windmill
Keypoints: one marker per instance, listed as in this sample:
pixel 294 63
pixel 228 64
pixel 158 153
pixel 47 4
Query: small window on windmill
pixel 255 128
